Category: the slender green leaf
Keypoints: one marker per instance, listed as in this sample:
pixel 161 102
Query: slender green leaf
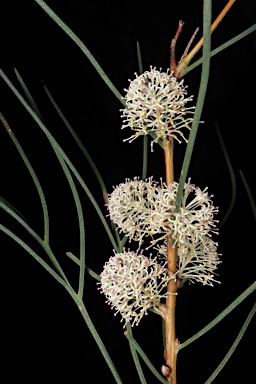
pixel 232 177
pixel 43 244
pixel 89 270
pixel 86 189
pixel 62 153
pixel 97 339
pixel 200 100
pixel 145 358
pixel 124 240
pixel 221 316
pixel 145 137
pixel 81 45
pixel 139 58
pixel 34 178
pixel 86 154
pixel 221 48
pixel 92 274
pixel 233 346
pixel 9 205
pixel 249 193
pixel 73 258
pixel 78 141
pixel 34 255
pixel 135 357
pixel 28 94
pixel 145 157
pixel 80 216
pixel 75 297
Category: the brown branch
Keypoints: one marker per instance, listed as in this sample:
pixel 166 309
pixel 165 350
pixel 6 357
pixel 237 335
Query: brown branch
pixel 173 46
pixel 169 312
pixel 186 60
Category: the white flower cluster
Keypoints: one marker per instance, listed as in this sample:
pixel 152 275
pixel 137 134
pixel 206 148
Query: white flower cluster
pixel 195 219
pixel 135 207
pixel 133 283
pixel 195 262
pixel 156 102
pixel 146 208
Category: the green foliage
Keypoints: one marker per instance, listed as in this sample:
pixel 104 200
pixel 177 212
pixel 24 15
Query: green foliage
pixel 71 172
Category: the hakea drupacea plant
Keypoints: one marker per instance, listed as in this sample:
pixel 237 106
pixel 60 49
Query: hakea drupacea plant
pixel 156 105
pixel 178 221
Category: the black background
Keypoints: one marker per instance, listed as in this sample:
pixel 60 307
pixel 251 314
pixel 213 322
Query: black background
pixel 44 335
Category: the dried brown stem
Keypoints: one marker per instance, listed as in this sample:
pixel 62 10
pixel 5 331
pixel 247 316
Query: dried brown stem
pixel 186 60
pixel 173 46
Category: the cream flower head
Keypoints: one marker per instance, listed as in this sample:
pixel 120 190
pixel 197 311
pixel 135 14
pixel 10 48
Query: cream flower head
pixel 196 262
pixel 133 208
pixel 156 102
pixel 195 219
pixel 146 208
pixel 133 283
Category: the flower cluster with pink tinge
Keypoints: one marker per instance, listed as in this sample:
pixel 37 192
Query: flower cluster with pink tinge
pixel 156 103
pixel 133 282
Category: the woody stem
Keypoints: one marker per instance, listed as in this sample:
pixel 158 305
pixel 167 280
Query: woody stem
pixel 169 316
